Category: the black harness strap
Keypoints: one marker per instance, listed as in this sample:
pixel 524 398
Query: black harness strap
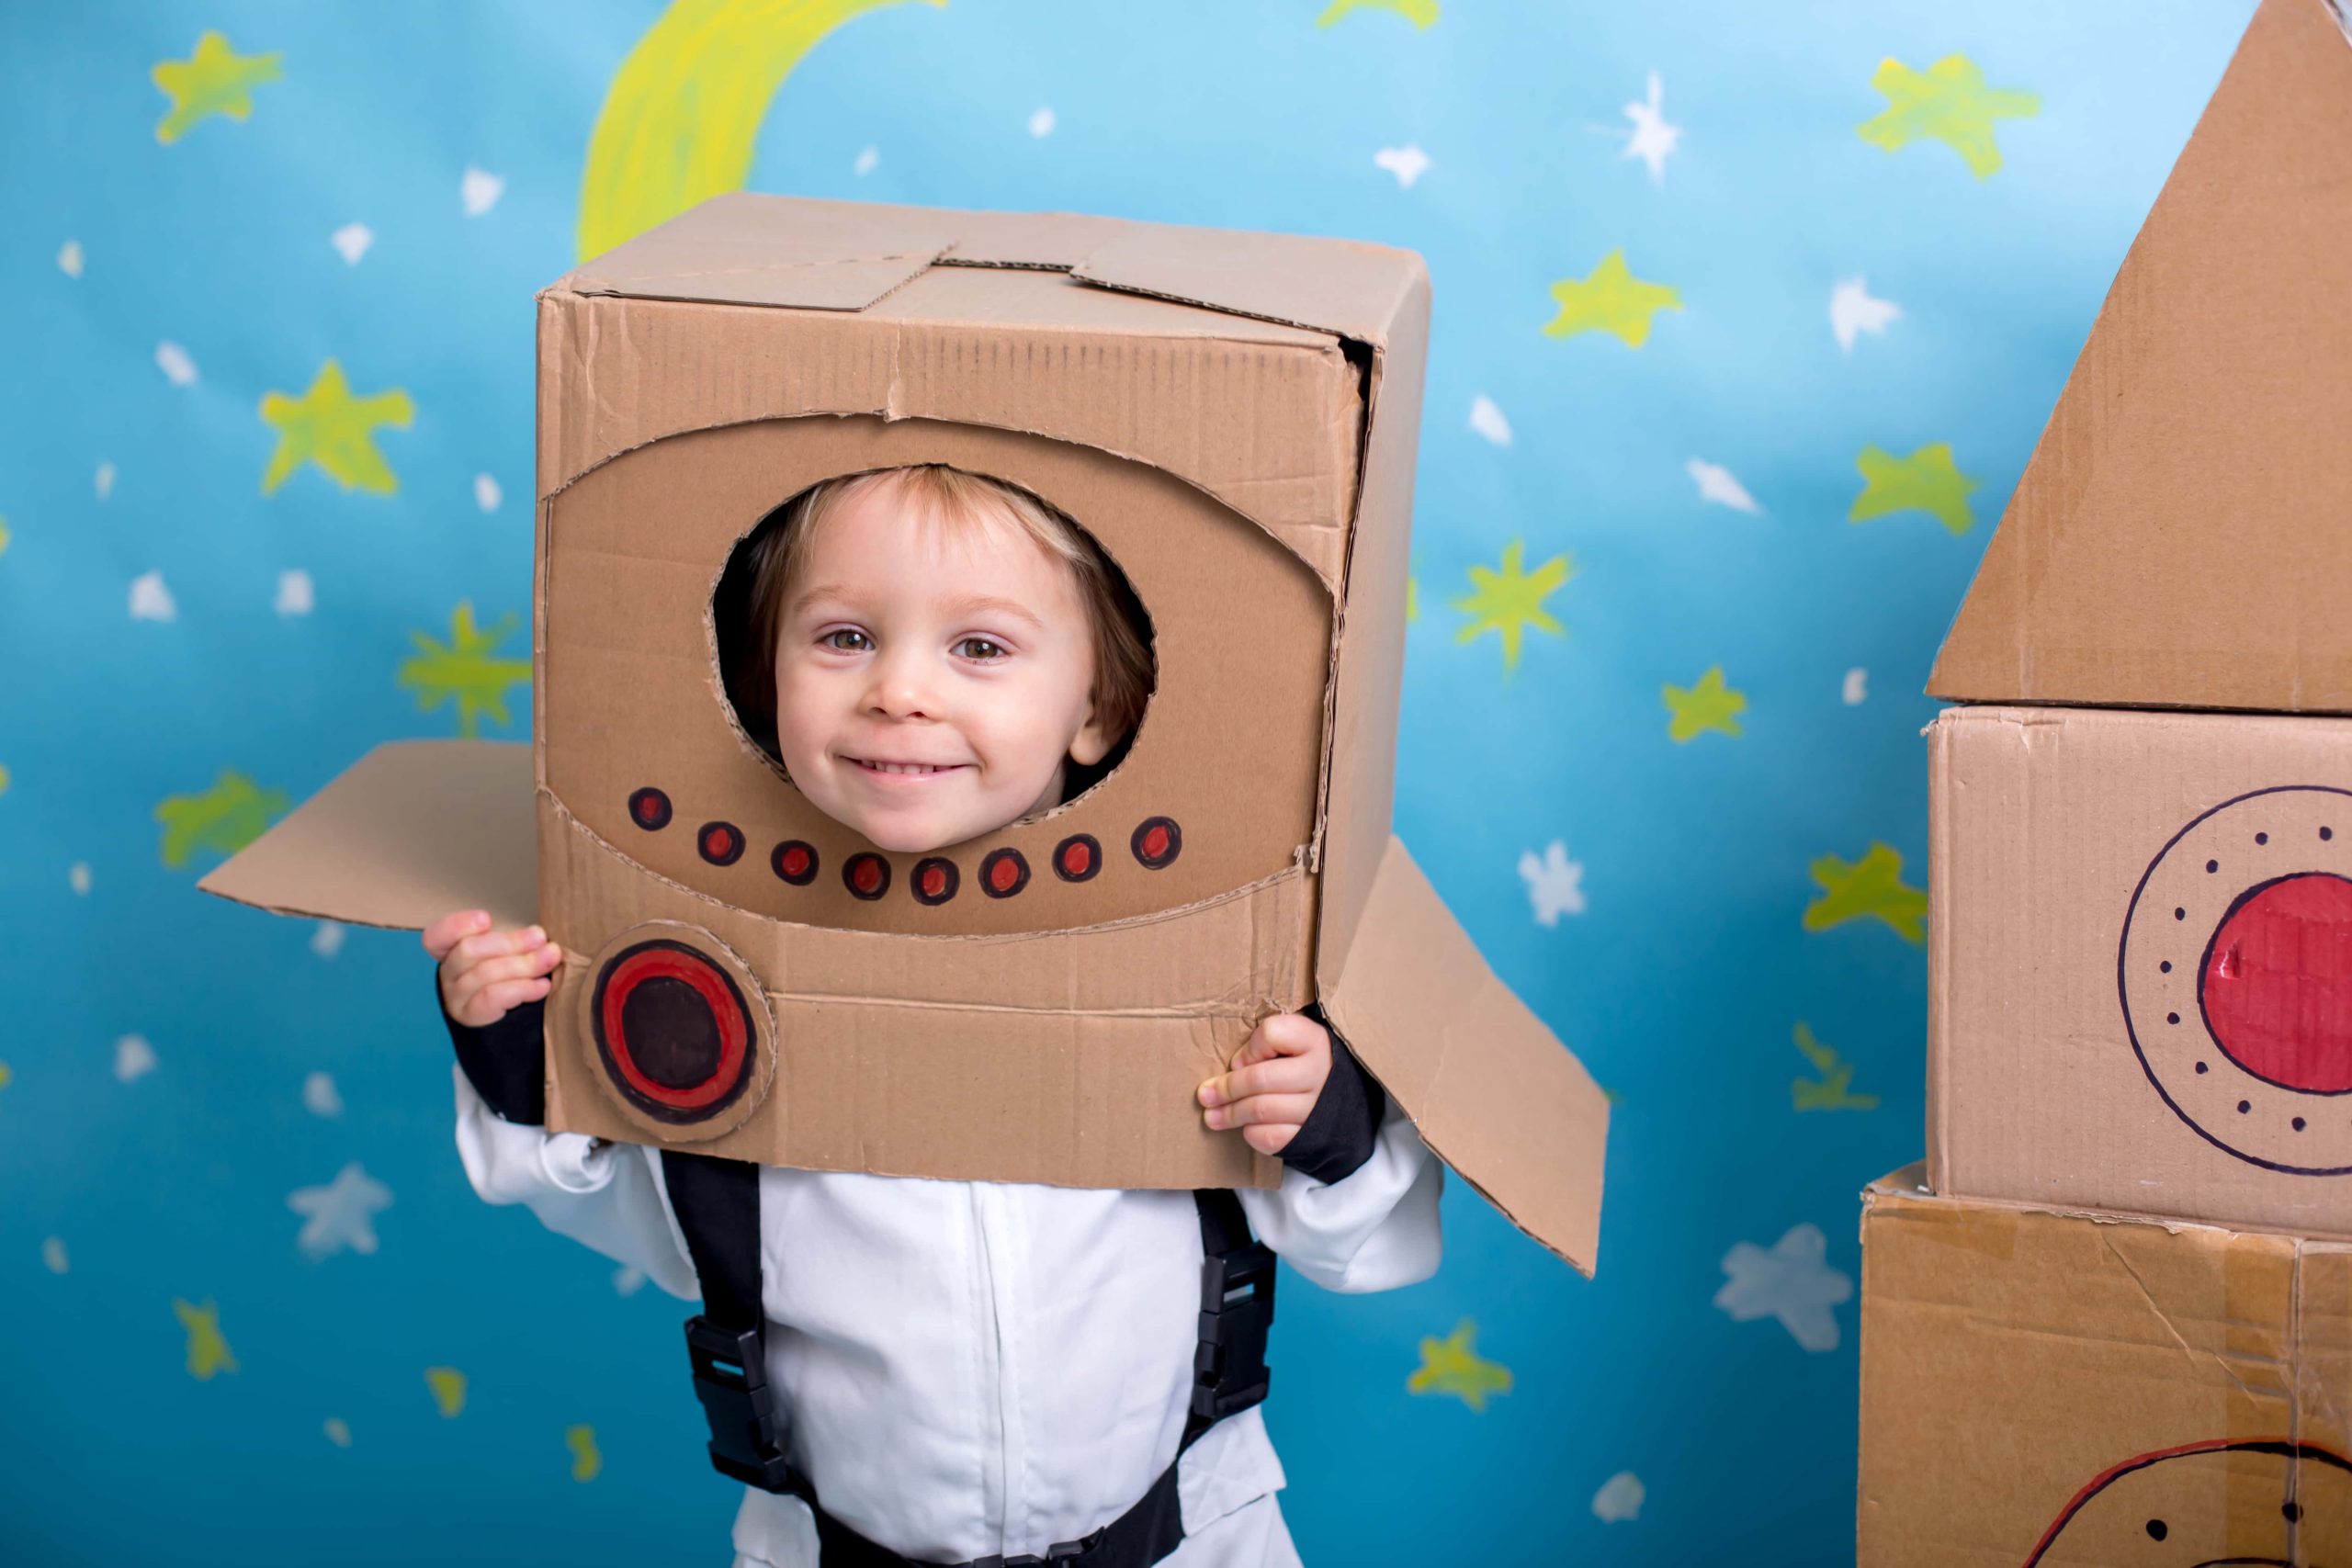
pixel 717 1205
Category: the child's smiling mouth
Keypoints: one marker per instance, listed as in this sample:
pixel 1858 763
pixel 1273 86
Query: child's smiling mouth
pixel 876 768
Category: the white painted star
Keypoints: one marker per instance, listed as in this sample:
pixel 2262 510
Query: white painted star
pixel 294 595
pixel 150 600
pixel 175 364
pixel 487 495
pixel 1488 420
pixel 133 1058
pixel 351 241
pixel 338 1431
pixel 327 940
pixel 479 191
pixel 52 1255
pixel 1852 311
pixel 340 1214
pixel 1619 1499
pixel 1791 1282
pixel 1042 123
pixel 77 876
pixel 867 161
pixel 1407 162
pixel 1720 485
pixel 1652 139
pixel 69 258
pixel 1554 883
pixel 103 481
pixel 628 1280
pixel 1856 687
pixel 320 1096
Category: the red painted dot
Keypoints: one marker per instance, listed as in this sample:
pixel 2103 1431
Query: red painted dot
pixel 649 808
pixel 1155 844
pixel 1077 859
pixel 721 843
pixel 868 877
pixel 1004 875
pixel 2276 983
pixel 935 881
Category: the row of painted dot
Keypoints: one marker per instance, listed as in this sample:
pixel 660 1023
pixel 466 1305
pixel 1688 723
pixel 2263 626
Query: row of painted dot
pixel 1155 844
pixel 2246 1107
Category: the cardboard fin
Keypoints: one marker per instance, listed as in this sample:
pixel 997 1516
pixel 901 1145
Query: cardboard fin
pixel 411 832
pixel 2176 540
pixel 1492 1090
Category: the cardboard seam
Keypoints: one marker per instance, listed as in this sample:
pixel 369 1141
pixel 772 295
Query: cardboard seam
pixel 2194 1355
pixel 1247 889
pixel 589 284
pixel 1252 1008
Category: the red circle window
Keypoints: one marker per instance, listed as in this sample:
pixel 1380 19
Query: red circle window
pixel 720 843
pixel 1157 842
pixel 2275 984
pixel 672 1031
pixel 1078 857
pixel 649 808
pixel 794 861
pixel 1003 874
pixel 934 880
pixel 866 875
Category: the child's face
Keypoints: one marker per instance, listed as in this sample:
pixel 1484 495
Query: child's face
pixel 931 682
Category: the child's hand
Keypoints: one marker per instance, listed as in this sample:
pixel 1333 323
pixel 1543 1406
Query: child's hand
pixel 485 973
pixel 1277 1077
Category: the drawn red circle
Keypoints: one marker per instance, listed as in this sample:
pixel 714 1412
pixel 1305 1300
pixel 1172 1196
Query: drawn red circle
pixel 1078 857
pixel 794 861
pixel 867 876
pixel 669 961
pixel 720 843
pixel 649 808
pixel 1003 872
pixel 2276 983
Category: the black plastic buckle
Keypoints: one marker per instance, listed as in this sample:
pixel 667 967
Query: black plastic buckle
pixel 731 1380
pixel 1237 1310
pixel 1060 1552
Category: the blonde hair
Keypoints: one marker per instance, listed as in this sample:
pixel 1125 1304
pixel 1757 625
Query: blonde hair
pixel 1123 668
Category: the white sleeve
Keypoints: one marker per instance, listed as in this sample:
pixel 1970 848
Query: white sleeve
pixel 609 1196
pixel 1372 1230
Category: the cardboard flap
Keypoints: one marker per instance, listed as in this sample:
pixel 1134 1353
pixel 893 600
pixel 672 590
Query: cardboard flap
pixel 750 250
pixel 1492 1090
pixel 2177 538
pixel 413 830
pixel 1344 286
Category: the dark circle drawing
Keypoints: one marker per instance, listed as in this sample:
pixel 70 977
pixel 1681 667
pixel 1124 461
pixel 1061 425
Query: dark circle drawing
pixel 2239 1008
pixel 866 875
pixel 720 843
pixel 934 880
pixel 1077 858
pixel 1157 842
pixel 672 1031
pixel 649 808
pixel 794 860
pixel 2084 1507
pixel 1003 874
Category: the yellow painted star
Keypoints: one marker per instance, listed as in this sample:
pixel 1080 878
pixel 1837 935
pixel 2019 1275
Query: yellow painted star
pixel 1511 600
pixel 1610 301
pixel 207 1352
pixel 4 536
pixel 1925 481
pixel 1421 13
pixel 225 819
pixel 1948 103
pixel 586 1461
pixel 1710 705
pixel 464 669
pixel 1829 1091
pixel 1452 1365
pixel 328 426
pixel 5 1075
pixel 448 1387
pixel 1870 886
pixel 214 80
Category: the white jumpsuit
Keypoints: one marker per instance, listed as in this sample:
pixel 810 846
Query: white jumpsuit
pixel 974 1368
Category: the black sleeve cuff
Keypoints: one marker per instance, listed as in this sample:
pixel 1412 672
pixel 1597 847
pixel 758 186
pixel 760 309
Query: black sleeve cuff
pixel 1340 1132
pixel 506 1061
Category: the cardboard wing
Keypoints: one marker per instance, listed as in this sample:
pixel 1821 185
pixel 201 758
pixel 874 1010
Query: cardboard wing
pixel 412 831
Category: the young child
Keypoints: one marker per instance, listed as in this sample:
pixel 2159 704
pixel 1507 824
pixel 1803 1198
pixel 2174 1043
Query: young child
pixel 968 1372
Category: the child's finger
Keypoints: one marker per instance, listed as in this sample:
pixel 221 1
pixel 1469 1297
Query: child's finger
pixel 1268 1140
pixel 1281 1074
pixel 443 934
pixel 494 1002
pixel 1276 1110
pixel 487 944
pixel 1280 1034
pixel 515 966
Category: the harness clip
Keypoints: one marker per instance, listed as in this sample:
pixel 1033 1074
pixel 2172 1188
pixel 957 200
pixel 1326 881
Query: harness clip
pixel 1237 1310
pixel 731 1380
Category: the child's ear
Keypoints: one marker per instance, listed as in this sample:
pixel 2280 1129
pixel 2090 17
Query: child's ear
pixel 1093 743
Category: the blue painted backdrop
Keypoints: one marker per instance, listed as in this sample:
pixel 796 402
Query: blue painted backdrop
pixel 182 652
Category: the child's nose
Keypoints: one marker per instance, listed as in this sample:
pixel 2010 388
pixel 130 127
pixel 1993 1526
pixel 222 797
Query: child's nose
pixel 902 687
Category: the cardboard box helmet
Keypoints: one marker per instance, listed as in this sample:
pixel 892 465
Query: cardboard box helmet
pixel 1233 418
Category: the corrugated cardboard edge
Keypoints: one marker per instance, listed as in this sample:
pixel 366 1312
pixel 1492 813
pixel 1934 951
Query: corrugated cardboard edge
pixel 411 832
pixel 1941 950
pixel 1491 1090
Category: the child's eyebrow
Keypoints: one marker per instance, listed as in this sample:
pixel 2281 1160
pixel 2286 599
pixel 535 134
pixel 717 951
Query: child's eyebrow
pixel 969 604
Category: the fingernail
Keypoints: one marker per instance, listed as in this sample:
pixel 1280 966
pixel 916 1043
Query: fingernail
pixel 1208 1094
pixel 1216 1119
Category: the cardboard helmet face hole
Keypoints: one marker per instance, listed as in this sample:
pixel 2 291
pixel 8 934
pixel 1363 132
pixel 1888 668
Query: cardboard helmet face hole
pixel 746 607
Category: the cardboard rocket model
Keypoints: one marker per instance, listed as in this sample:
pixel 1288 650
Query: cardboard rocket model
pixel 1233 417
pixel 2141 958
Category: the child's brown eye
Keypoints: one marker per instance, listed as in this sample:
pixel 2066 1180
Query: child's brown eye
pixel 979 648
pixel 832 639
